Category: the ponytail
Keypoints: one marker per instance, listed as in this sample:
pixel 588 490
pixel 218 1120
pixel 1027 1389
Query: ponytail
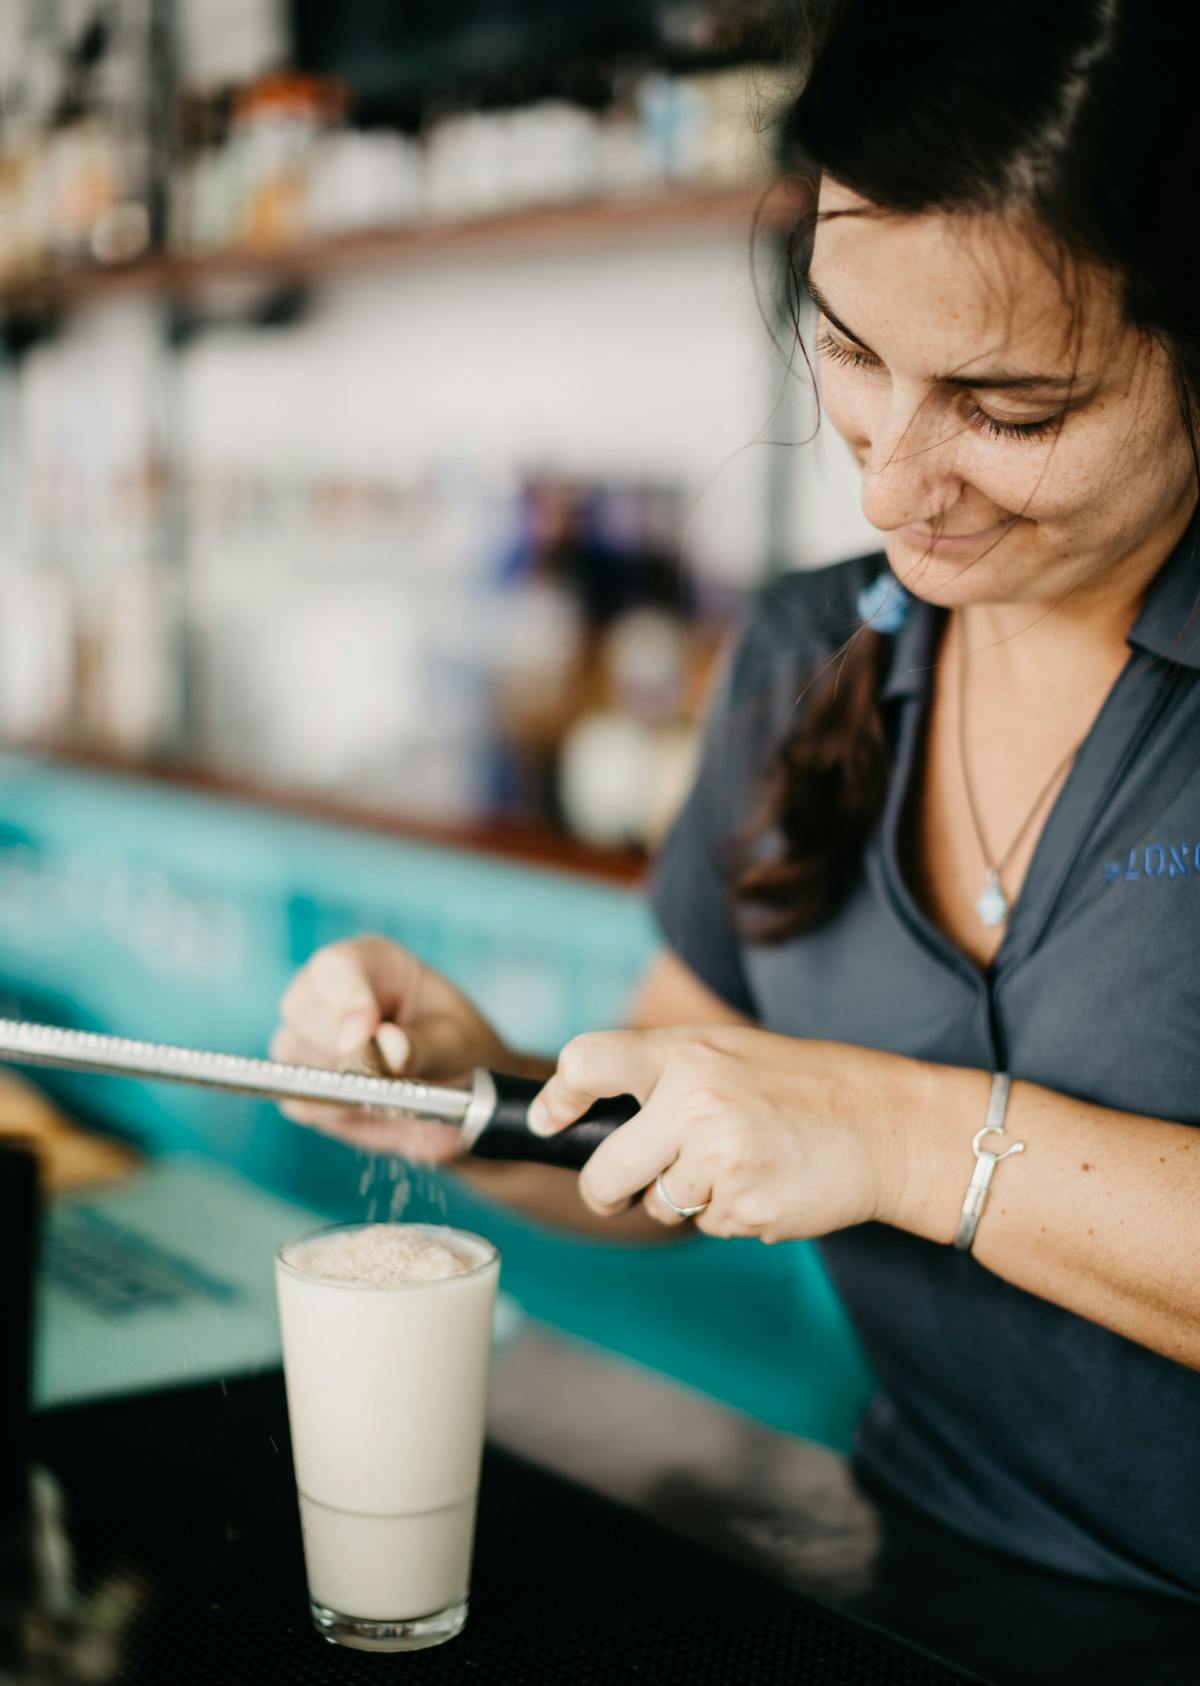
pixel 824 796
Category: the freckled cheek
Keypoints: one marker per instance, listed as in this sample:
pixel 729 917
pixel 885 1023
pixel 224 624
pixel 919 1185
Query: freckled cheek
pixel 1053 488
pixel 1054 485
pixel 1006 476
pixel 1014 478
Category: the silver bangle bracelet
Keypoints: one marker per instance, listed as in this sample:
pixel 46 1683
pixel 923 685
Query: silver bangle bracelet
pixel 985 1161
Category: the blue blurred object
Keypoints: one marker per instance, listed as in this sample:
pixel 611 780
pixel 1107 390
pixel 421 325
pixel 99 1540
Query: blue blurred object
pixel 884 604
pixel 147 910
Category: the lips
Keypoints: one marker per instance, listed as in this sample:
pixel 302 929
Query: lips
pixel 982 534
pixel 935 541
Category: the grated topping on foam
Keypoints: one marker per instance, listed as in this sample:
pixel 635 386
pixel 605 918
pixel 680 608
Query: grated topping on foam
pixel 378 1254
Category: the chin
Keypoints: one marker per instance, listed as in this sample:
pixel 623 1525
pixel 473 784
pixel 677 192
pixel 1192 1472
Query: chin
pixel 946 582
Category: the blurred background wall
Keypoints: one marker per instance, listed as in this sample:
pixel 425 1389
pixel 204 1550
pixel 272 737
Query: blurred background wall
pixel 397 402
pixel 390 407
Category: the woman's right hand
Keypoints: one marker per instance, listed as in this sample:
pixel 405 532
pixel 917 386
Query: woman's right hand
pixel 369 989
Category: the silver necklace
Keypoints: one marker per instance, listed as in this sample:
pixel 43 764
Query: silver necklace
pixel 992 904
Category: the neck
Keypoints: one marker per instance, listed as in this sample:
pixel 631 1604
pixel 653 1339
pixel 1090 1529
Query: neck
pixel 1029 644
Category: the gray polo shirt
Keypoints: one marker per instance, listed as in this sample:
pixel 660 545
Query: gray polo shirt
pixel 1007 1418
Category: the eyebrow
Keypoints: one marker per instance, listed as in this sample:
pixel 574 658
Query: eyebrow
pixel 1002 378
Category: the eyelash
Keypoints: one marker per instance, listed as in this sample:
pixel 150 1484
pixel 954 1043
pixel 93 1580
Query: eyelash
pixel 995 429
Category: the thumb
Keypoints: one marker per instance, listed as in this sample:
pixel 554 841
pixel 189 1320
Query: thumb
pixel 432 1047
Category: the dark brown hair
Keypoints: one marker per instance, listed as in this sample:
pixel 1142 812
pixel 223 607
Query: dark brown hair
pixel 1077 118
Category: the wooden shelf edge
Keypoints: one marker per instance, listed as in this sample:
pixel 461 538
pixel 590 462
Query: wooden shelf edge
pixel 772 201
pixel 524 844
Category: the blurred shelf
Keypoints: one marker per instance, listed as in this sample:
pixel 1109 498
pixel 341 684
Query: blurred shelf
pixel 657 214
pixel 522 842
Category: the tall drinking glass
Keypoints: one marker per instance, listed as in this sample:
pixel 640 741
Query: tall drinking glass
pixel 386 1386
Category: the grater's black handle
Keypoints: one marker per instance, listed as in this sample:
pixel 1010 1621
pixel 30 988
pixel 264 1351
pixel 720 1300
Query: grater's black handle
pixel 506 1134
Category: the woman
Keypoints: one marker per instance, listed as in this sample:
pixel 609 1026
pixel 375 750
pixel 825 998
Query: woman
pixel 980 850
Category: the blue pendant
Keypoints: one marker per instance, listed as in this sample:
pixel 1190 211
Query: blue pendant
pixel 992 906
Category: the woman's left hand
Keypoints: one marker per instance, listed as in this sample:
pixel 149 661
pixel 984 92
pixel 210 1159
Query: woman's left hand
pixel 777 1137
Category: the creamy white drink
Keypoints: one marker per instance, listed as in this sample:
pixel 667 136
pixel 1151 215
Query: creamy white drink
pixel 386 1349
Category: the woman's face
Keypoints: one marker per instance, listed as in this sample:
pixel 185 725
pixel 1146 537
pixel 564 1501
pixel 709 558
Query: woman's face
pixel 1014 449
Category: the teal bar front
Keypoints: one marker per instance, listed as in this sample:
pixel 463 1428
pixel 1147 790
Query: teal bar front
pixel 153 911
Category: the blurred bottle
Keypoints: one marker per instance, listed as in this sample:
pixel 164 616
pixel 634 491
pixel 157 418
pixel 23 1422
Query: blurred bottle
pixel 19 245
pixel 674 116
pixel 85 181
pixel 364 180
pixel 25 119
pixel 130 706
pixel 37 652
pixel 203 209
pixel 97 165
pixel 272 141
pixel 624 768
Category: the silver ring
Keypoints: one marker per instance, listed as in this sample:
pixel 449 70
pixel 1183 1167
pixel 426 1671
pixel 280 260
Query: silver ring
pixel 679 1211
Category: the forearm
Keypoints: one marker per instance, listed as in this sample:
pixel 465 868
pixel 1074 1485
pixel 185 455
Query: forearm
pixel 1100 1214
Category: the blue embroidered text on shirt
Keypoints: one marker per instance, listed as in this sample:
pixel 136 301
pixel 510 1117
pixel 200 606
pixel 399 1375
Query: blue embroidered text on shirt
pixel 1157 860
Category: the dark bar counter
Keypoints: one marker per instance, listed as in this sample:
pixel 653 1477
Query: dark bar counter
pixel 182 1517
pixel 793 1510
pixel 629 1530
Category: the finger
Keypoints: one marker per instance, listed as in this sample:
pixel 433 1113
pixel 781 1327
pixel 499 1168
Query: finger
pixel 627 1162
pixel 606 1062
pixel 718 1221
pixel 395 1049
pixel 395 976
pixel 349 983
pixel 347 987
pixel 291 1047
pixel 431 1047
pixel 407 1138
pixel 288 1046
pixel 422 1144
pixel 426 1142
pixel 330 1002
pixel 680 1187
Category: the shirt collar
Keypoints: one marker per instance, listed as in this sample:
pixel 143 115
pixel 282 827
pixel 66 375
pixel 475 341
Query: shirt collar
pixel 910 670
pixel 1168 623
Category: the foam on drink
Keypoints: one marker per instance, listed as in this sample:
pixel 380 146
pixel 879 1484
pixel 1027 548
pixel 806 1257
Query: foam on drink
pixel 379 1254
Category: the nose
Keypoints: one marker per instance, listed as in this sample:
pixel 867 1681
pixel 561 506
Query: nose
pixel 909 472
